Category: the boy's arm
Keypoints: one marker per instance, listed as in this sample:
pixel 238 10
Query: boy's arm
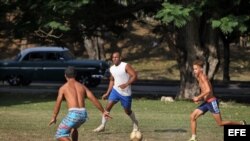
pixel 205 91
pixel 57 106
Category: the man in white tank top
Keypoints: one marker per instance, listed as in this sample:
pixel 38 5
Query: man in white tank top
pixel 122 76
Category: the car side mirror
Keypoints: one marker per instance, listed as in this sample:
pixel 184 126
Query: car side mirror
pixel 109 63
pixel 61 59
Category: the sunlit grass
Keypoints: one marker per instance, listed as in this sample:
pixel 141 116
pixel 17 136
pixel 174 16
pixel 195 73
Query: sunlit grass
pixel 22 120
pixel 162 69
pixel 156 69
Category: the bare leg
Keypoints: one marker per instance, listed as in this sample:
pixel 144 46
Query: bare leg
pixel 193 121
pixel 110 105
pixel 220 122
pixel 64 139
pixel 74 135
pixel 101 127
pixel 108 108
pixel 131 114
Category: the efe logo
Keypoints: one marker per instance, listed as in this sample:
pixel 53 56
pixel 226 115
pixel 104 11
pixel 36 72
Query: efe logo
pixel 236 132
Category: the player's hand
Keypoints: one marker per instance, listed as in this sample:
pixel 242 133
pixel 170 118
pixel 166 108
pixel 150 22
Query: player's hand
pixel 104 96
pixel 196 100
pixel 107 115
pixel 123 86
pixel 53 121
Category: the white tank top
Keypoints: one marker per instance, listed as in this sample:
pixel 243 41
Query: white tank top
pixel 120 77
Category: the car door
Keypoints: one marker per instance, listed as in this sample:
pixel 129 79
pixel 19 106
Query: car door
pixel 31 66
pixel 54 67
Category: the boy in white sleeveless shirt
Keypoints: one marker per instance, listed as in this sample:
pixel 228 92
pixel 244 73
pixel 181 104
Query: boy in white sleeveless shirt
pixel 122 76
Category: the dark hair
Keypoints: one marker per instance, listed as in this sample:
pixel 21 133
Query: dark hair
pixel 198 62
pixel 70 72
pixel 115 51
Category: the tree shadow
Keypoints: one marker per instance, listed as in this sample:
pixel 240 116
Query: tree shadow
pixel 10 99
pixel 178 130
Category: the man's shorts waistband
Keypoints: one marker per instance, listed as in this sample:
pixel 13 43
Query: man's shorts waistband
pixel 77 109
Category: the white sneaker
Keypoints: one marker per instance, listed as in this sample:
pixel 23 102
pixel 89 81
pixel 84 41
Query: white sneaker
pixel 135 126
pixel 100 128
pixel 243 122
pixel 192 139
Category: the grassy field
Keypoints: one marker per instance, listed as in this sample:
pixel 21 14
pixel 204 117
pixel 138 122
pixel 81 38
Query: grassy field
pixel 159 63
pixel 25 118
pixel 164 67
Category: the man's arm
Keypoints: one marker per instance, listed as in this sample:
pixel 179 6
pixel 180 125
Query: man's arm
pixel 57 106
pixel 96 102
pixel 132 76
pixel 111 84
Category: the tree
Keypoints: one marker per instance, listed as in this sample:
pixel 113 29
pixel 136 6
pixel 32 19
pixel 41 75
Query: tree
pixel 192 28
pixel 196 36
pixel 63 23
pixel 83 24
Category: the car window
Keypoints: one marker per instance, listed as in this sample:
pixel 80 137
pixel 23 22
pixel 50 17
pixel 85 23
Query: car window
pixel 51 56
pixel 34 56
pixel 67 55
pixel 17 57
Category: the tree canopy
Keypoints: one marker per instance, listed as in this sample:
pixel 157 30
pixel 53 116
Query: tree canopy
pixel 192 28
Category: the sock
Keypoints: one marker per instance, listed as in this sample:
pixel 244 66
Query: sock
pixel 135 122
pixel 104 121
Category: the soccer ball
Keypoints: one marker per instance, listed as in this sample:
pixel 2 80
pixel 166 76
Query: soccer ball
pixel 136 136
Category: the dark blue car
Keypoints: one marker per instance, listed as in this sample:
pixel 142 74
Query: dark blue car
pixel 48 64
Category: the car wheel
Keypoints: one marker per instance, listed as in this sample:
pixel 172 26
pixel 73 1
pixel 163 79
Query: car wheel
pixel 90 82
pixel 84 80
pixel 14 80
pixel 94 82
pixel 26 82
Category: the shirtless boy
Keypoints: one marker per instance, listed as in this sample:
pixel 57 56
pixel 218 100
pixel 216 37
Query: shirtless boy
pixel 210 102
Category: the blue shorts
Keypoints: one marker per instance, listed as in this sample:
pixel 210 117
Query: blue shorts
pixel 212 106
pixel 74 118
pixel 126 101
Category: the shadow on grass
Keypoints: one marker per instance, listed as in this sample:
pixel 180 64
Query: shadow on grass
pixel 8 99
pixel 242 100
pixel 17 99
pixel 171 130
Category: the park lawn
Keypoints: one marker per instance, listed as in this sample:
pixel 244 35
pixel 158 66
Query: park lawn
pixel 25 118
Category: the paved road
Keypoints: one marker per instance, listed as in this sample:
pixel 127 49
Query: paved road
pixel 153 89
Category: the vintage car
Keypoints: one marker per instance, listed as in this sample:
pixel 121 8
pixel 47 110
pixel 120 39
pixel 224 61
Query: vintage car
pixel 47 64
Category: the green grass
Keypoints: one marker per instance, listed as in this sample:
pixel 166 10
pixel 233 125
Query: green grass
pixel 25 117
pixel 161 69
pixel 161 65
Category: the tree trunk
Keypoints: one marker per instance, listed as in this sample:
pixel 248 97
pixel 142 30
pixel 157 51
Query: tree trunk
pixel 88 44
pixel 211 45
pixel 198 41
pixel 226 58
pixel 100 46
pixel 189 46
pixel 95 47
